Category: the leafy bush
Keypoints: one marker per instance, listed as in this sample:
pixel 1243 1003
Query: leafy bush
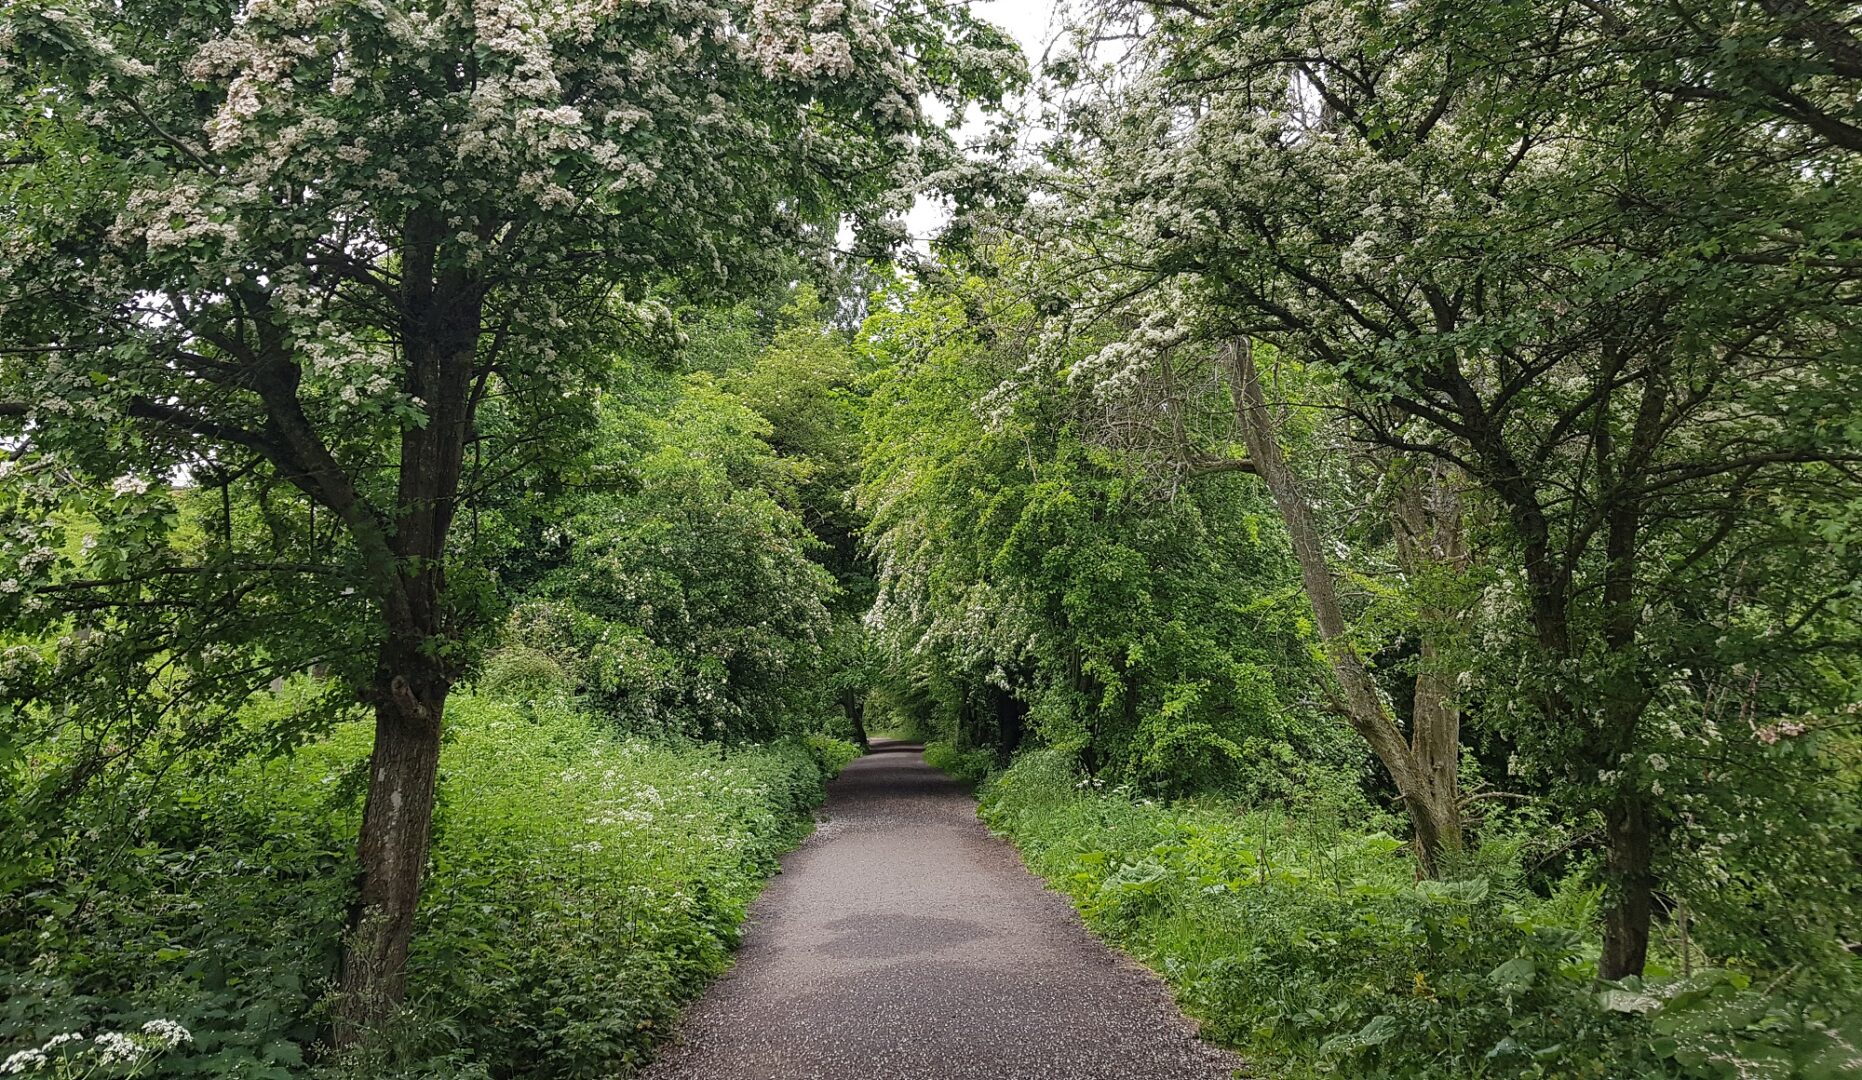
pixel 973 765
pixel 1311 945
pixel 831 754
pixel 526 674
pixel 678 588
pixel 587 888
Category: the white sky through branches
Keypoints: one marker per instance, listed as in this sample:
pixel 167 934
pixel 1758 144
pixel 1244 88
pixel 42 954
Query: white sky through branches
pixel 1034 24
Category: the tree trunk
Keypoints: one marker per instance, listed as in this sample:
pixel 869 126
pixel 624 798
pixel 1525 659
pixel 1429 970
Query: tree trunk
pixel 1628 827
pixel 392 851
pixel 1435 739
pixel 439 336
pixel 1430 541
pixel 1629 867
pixel 853 704
pixel 1434 814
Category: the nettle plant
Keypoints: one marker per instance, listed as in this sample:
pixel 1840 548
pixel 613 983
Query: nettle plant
pixel 358 264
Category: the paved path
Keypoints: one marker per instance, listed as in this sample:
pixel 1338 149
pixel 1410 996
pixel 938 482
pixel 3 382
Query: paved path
pixel 902 942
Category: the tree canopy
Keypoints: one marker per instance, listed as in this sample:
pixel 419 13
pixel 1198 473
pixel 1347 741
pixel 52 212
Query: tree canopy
pixel 1388 474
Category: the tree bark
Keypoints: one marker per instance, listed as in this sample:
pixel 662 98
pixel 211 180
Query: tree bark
pixel 1629 866
pixel 392 851
pixel 1628 827
pixel 853 704
pixel 1434 814
pixel 1435 738
pixel 441 317
pixel 1429 540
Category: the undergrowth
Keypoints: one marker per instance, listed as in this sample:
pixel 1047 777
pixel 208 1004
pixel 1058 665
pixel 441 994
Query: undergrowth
pixel 1310 945
pixel 582 888
pixel 973 765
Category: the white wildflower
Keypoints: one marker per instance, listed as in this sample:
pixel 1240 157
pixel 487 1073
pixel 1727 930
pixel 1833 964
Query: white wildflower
pixel 114 1047
pixel 171 1033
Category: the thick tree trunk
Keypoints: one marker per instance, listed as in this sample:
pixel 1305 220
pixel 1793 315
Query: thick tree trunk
pixel 392 851
pixel 1630 868
pixel 1435 739
pixel 1628 825
pixel 1434 813
pixel 1430 541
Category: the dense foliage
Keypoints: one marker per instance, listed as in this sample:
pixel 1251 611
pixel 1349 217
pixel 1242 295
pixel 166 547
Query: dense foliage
pixel 1371 497
pixel 643 739
pixel 1518 344
pixel 1612 311
pixel 1300 932
pixel 1035 582
pixel 676 586
pixel 367 264
pixel 584 885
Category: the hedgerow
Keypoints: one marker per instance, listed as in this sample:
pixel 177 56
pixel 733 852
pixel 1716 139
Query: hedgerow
pixel 972 765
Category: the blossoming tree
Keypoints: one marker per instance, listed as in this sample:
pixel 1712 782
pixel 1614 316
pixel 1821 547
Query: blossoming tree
pixel 1611 284
pixel 353 264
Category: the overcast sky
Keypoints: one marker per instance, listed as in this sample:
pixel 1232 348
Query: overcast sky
pixel 1028 20
pixel 1032 24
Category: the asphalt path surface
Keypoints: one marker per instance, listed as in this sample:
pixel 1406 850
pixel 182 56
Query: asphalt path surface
pixel 902 942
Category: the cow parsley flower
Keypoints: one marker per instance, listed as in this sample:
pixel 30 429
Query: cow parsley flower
pixel 114 1047
pixel 22 1061
pixel 170 1033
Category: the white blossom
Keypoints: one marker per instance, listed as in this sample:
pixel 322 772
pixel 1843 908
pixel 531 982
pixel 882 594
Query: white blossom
pixel 169 1032
pixel 114 1047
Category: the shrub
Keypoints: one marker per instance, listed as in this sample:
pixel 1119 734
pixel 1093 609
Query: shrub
pixel 831 754
pixel 1311 945
pixel 522 674
pixel 973 765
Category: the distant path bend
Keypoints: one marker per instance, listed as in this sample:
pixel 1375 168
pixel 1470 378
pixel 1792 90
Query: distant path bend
pixel 902 942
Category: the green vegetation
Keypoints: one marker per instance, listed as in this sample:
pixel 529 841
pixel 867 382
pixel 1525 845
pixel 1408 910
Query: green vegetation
pixel 366 274
pixel 1300 932
pixel 1371 491
pixel 583 887
pixel 973 765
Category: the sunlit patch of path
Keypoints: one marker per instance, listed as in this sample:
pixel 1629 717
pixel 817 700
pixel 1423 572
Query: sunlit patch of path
pixel 903 942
